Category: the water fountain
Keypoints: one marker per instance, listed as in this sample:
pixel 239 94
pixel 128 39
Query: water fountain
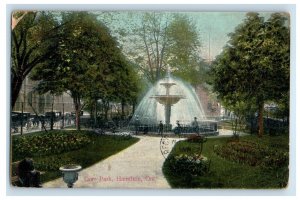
pixel 167 100
pixel 169 93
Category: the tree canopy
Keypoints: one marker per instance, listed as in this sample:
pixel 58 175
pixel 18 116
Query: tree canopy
pixel 34 41
pixel 254 66
pixel 88 63
pixel 161 40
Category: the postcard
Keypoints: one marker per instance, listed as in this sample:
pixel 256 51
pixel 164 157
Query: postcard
pixel 150 99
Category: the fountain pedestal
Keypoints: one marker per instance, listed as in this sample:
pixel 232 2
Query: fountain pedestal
pixel 167 113
pixel 168 100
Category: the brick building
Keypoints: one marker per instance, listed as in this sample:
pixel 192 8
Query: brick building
pixel 210 105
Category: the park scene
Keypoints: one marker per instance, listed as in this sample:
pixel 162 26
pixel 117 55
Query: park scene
pixel 159 100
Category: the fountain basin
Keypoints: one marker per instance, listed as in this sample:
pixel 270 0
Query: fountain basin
pixel 168 99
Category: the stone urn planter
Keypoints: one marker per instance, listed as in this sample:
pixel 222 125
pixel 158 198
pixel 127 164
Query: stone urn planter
pixel 70 174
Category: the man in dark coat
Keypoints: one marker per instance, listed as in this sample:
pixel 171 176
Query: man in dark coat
pixel 160 128
pixel 28 176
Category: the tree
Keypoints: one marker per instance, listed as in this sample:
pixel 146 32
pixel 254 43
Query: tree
pixel 88 64
pixel 255 63
pixel 127 84
pixel 183 54
pixel 161 40
pixel 85 48
pixel 120 85
pixel 34 40
pixel 16 18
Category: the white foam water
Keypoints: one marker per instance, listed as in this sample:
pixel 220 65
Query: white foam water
pixel 149 111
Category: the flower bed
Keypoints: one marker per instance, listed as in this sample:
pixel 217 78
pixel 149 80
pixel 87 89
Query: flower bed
pixel 233 173
pixel 253 154
pixel 184 164
pixel 48 144
pixel 197 139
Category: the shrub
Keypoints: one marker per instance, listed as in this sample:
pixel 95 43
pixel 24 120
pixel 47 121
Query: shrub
pixel 275 160
pixel 48 144
pixel 196 139
pixel 253 154
pixel 195 165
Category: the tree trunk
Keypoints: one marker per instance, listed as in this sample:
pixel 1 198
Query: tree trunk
pixel 16 85
pixel 235 126
pixel 260 119
pixel 133 108
pixel 106 109
pixel 78 119
pixel 92 112
pixel 77 111
pixel 95 114
pixel 123 110
pixel 52 116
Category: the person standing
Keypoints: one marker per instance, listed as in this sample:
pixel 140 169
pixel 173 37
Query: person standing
pixel 137 124
pixel 178 128
pixel 160 128
pixel 195 126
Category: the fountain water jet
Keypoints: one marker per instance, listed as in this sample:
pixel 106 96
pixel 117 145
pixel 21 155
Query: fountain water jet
pixel 167 93
pixel 167 100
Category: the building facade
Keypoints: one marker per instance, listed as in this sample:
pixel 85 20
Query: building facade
pixel 30 101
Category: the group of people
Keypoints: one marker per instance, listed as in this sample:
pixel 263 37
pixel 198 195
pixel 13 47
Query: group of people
pixel 195 126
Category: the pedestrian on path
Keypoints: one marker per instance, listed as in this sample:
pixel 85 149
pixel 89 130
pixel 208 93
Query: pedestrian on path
pixel 160 128
pixel 195 126
pixel 137 124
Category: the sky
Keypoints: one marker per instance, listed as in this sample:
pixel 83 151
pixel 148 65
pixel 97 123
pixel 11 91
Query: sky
pixel 213 28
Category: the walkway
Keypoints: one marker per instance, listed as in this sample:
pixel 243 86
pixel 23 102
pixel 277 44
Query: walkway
pixel 139 166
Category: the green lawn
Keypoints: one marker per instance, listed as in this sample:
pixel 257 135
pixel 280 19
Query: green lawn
pixel 226 172
pixel 230 125
pixel 56 148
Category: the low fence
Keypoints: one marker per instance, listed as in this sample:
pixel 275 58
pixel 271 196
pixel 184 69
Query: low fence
pixel 25 122
pixel 22 123
pixel 204 128
pixel 272 126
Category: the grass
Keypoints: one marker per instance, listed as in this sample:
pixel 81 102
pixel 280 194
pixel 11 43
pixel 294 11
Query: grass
pixel 230 125
pixel 227 173
pixel 100 147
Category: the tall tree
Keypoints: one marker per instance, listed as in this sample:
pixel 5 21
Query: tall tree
pixel 161 40
pixel 127 83
pixel 151 42
pixel 119 85
pixel 85 47
pixel 34 40
pixel 255 62
pixel 88 64
pixel 183 54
